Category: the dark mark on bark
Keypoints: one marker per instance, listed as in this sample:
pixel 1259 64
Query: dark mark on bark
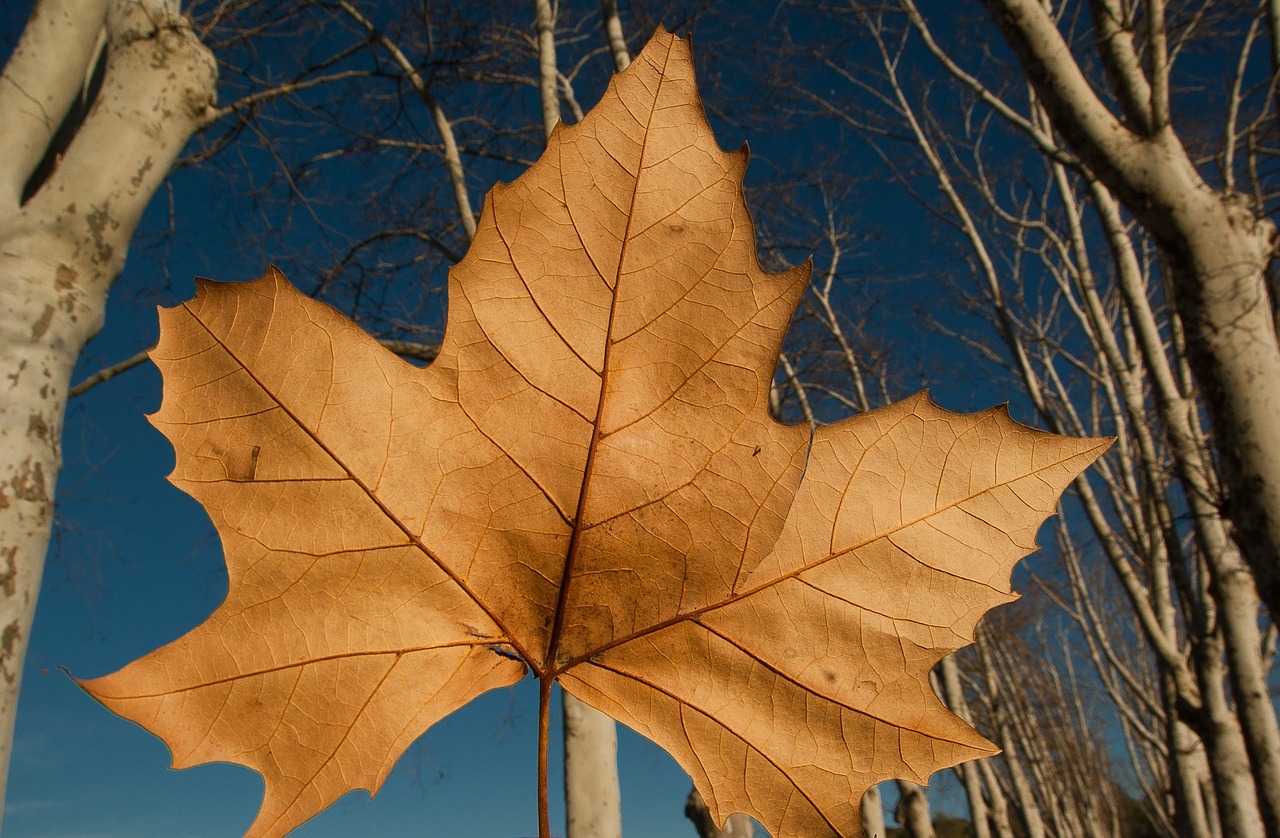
pixel 8 643
pixel 64 278
pixel 9 576
pixel 29 483
pixel 37 427
pixel 41 326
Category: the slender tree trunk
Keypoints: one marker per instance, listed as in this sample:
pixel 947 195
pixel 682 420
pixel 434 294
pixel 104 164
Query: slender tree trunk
pixel 1219 728
pixel 547 68
pixel 1232 587
pixel 1007 739
pixel 613 31
pixel 737 825
pixel 1187 771
pixel 953 694
pixel 873 813
pixel 1001 822
pixel 592 800
pixel 913 810
pixel 62 249
pixel 1230 583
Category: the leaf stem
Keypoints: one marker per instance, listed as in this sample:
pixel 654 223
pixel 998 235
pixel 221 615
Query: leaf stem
pixel 544 718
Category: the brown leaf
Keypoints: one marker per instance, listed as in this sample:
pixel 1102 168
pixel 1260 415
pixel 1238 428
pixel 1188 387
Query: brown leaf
pixel 586 482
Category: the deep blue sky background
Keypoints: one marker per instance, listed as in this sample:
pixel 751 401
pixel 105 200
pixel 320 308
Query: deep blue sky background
pixel 135 564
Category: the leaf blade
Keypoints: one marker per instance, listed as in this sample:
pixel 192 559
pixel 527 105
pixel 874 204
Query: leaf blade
pixel 587 478
pixel 332 609
pixel 803 636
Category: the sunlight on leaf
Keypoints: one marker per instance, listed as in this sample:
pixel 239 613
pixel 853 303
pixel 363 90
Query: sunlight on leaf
pixel 586 484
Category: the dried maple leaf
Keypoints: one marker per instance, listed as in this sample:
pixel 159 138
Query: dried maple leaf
pixel 586 483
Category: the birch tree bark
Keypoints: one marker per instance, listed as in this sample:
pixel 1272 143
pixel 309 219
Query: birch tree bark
pixel 970 775
pixel 593 804
pixel 63 241
pixel 613 32
pixel 873 813
pixel 1183 573
pixel 913 810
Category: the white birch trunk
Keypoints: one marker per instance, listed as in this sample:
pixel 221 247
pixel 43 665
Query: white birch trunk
pixel 872 810
pixel 1230 583
pixel 953 694
pixel 1187 773
pixel 591 794
pixel 1218 727
pixel 736 825
pixel 62 249
pixel 1001 821
pixel 548 83
pixel 913 810
pixel 613 32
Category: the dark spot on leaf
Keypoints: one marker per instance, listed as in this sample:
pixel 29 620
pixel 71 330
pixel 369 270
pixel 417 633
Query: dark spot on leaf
pixel 241 464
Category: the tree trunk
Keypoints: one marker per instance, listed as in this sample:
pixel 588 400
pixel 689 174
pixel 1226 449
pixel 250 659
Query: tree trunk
pixel 1253 714
pixel 1219 729
pixel 613 31
pixel 736 825
pixel 1187 770
pixel 1232 588
pixel 953 694
pixel 548 89
pixel 1027 806
pixel 591 794
pixel 1216 250
pixel 62 249
pixel 913 810
pixel 873 813
pixel 1001 822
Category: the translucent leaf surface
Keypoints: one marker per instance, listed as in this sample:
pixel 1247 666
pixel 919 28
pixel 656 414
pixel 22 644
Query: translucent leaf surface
pixel 586 483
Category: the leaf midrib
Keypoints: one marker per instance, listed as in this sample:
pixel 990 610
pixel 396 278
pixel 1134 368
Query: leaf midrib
pixel 549 669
